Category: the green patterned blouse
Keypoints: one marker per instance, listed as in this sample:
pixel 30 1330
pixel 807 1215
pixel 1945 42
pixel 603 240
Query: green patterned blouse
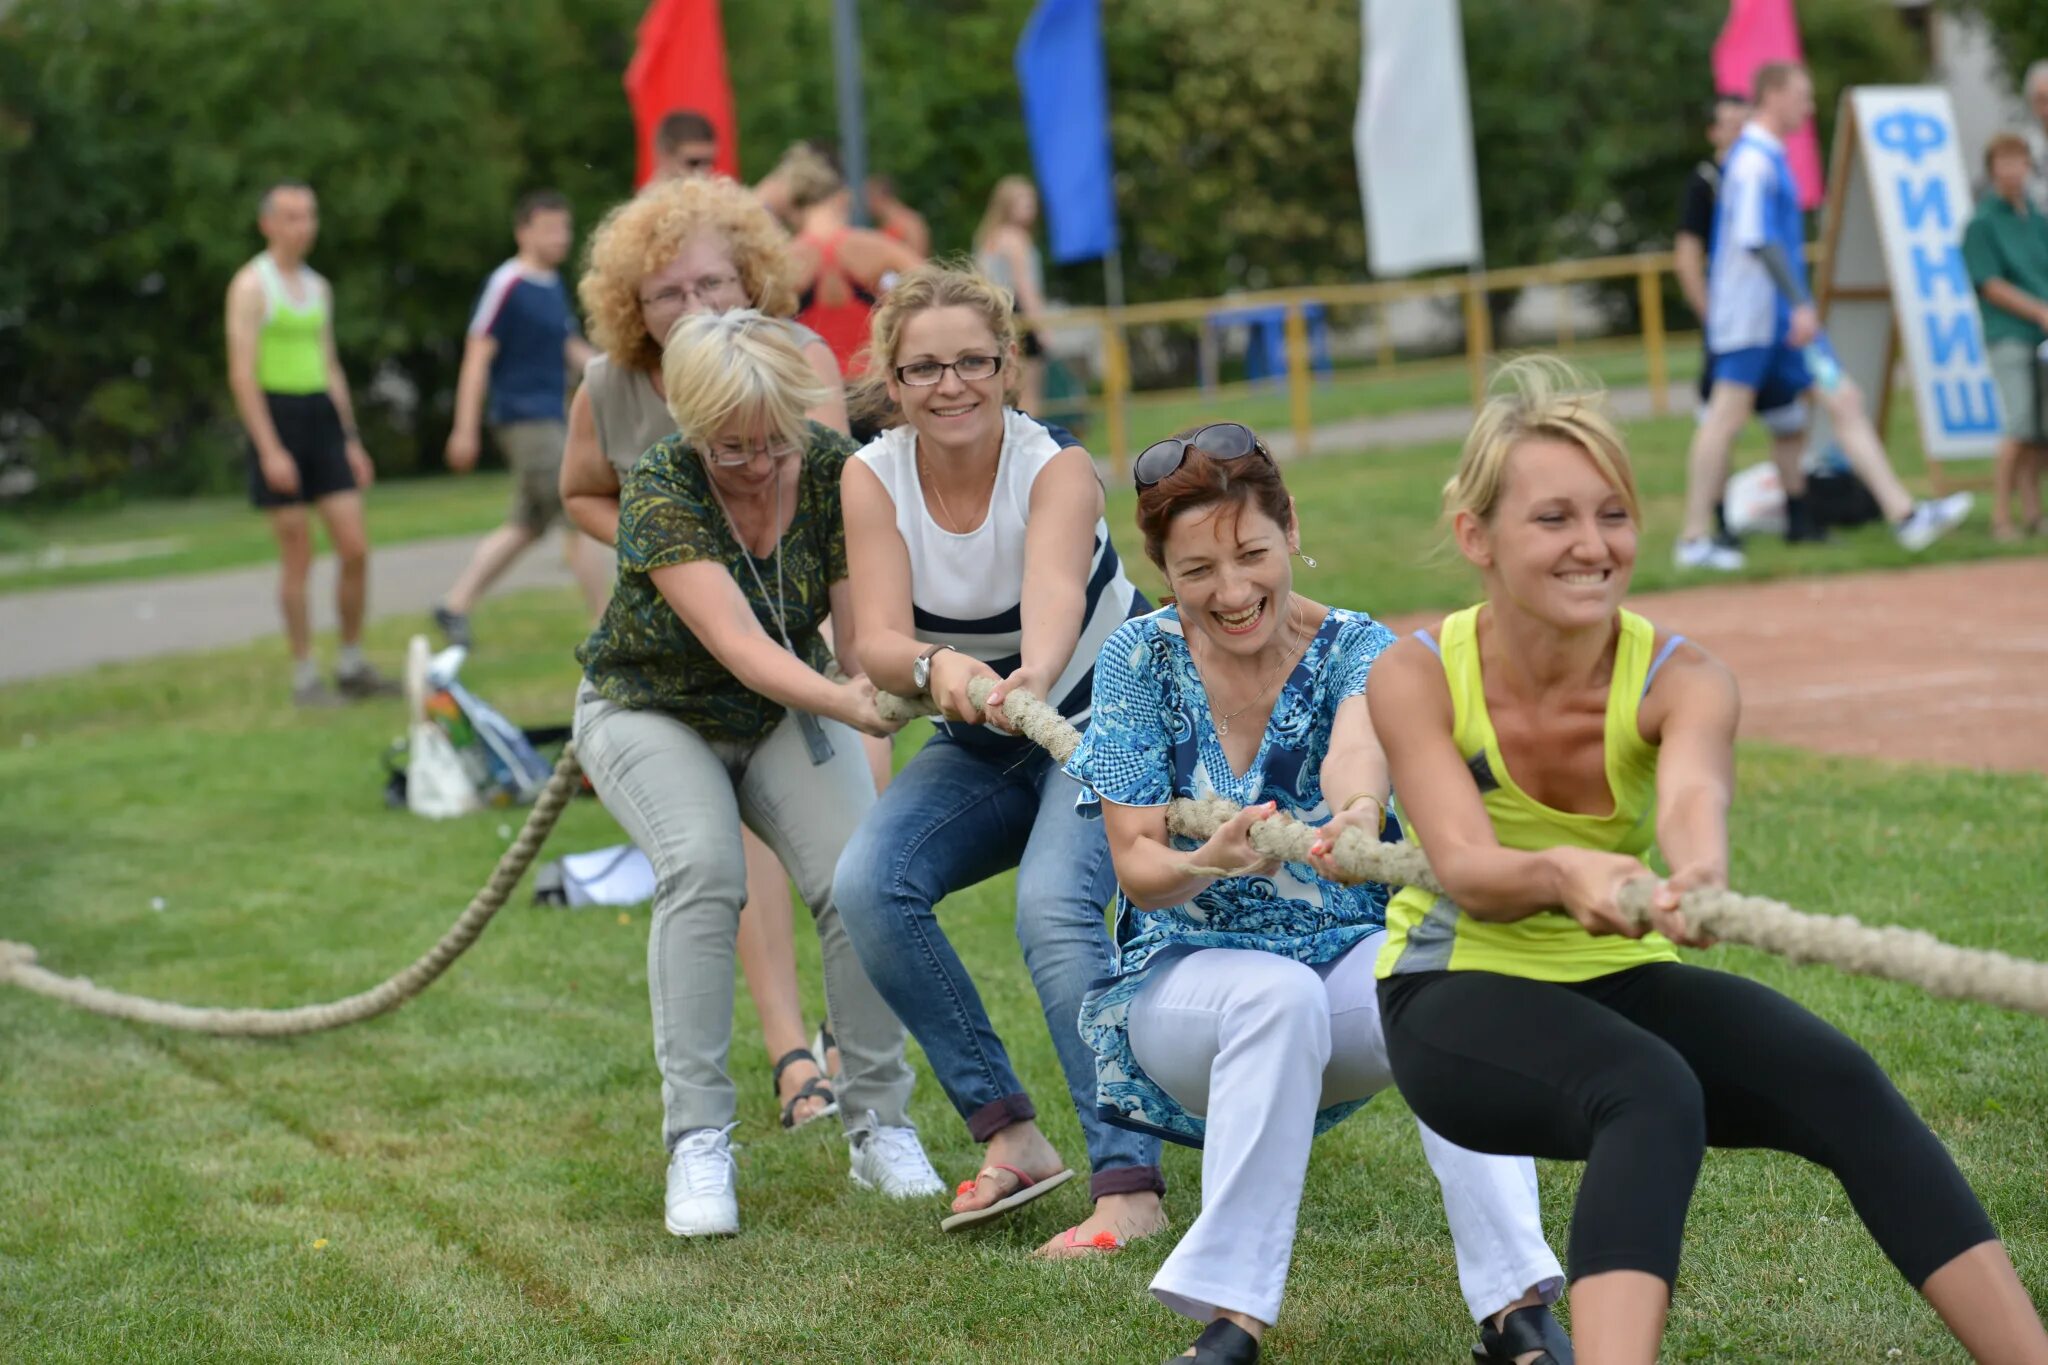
pixel 642 655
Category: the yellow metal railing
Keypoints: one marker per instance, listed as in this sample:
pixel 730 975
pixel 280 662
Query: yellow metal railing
pixel 1647 269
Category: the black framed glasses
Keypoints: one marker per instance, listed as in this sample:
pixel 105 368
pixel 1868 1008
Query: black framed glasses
pixel 1219 441
pixel 925 373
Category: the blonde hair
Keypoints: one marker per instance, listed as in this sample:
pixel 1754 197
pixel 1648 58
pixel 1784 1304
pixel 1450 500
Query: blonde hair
pixel 1002 206
pixel 646 233
pixel 935 284
pixel 1536 397
pixel 808 175
pixel 742 364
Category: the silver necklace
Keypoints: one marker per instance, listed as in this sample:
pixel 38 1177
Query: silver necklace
pixel 747 555
pixel 1286 660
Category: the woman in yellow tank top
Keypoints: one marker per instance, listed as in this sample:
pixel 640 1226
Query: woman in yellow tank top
pixel 1538 743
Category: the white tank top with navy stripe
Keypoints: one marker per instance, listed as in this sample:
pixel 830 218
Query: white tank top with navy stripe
pixel 967 591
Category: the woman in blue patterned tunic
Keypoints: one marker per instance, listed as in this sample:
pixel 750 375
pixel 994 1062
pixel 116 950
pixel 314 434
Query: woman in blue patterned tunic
pixel 1243 1016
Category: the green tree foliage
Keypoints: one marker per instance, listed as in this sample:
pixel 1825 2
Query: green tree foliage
pixel 2019 29
pixel 135 136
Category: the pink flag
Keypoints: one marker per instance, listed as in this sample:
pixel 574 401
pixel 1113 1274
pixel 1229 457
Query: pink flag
pixel 1757 32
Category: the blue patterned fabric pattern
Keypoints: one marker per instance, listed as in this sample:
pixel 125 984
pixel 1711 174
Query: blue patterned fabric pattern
pixel 1152 740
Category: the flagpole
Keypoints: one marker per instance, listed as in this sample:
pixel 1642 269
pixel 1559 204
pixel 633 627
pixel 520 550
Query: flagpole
pixel 853 128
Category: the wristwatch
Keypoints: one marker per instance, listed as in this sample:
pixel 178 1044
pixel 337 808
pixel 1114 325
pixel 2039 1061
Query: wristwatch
pixel 921 671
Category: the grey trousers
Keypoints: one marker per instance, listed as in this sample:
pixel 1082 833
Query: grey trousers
pixel 681 799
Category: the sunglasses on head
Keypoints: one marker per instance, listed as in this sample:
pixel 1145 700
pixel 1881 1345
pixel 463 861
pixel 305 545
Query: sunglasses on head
pixel 1219 441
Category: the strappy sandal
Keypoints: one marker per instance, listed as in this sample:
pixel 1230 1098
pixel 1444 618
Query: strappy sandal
pixel 816 1088
pixel 824 1045
pixel 1222 1342
pixel 1524 1330
pixel 1026 1191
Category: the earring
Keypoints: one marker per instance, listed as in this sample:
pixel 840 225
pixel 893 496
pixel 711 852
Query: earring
pixel 1306 561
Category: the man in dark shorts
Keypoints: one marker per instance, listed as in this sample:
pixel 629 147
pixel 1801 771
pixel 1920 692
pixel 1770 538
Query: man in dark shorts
pixel 1782 412
pixel 293 399
pixel 523 344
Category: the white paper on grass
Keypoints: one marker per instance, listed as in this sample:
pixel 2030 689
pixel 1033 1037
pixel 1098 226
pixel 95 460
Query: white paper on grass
pixel 1413 139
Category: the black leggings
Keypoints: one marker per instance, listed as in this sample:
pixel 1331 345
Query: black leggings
pixel 1638 1072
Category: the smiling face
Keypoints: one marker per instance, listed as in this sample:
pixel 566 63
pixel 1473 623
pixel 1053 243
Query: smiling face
pixel 1561 543
pixel 1228 566
pixel 954 414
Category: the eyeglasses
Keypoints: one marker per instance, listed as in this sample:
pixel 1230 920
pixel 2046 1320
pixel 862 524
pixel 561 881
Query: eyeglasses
pixel 925 373
pixel 679 295
pixel 739 457
pixel 1221 441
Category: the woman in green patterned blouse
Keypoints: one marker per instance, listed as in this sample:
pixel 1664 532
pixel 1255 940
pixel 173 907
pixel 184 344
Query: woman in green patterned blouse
pixel 706 703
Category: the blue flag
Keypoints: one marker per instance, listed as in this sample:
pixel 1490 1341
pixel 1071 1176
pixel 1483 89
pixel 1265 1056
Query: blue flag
pixel 1066 115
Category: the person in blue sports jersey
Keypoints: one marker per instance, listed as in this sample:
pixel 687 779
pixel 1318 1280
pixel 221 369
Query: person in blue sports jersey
pixel 1765 333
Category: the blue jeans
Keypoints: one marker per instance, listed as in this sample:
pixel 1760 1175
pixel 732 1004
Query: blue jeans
pixel 958 814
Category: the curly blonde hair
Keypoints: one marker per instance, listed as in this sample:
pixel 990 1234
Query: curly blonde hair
pixel 644 235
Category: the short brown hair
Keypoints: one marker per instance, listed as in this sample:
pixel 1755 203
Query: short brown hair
pixel 1249 481
pixel 538 201
pixel 679 126
pixel 1772 77
pixel 2004 144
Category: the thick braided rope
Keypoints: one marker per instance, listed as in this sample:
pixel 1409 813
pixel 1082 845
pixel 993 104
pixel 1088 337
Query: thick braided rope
pixel 1840 941
pixel 18 960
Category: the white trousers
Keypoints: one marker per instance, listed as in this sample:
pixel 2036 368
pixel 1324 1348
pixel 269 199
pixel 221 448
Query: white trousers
pixel 1256 1044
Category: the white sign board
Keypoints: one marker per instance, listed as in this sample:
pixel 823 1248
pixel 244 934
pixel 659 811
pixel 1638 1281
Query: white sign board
pixel 1905 202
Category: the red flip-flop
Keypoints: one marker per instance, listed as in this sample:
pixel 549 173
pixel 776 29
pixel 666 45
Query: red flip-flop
pixel 1101 1243
pixel 1027 1190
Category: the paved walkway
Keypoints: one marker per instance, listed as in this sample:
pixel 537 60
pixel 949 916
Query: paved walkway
pixel 62 630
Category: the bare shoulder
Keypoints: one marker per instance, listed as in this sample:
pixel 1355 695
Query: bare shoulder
pixel 1691 664
pixel 1403 668
pixel 1692 685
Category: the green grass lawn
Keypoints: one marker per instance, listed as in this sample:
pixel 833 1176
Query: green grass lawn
pixel 479 1177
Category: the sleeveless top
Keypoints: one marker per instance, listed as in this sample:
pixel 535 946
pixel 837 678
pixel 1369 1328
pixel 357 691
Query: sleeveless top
pixel 836 306
pixel 967 590
pixel 291 350
pixel 997 267
pixel 628 410
pixel 1428 933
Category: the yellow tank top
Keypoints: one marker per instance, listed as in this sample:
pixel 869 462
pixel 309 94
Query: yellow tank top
pixel 1427 933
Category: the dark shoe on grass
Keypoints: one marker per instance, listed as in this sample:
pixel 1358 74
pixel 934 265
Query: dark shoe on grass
pixel 365 683
pixel 453 625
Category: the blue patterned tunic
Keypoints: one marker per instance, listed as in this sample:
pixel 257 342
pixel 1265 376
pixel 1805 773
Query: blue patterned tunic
pixel 1152 740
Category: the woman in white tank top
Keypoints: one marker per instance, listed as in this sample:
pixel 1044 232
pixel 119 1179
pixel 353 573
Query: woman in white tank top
pixel 723 251
pixel 976 549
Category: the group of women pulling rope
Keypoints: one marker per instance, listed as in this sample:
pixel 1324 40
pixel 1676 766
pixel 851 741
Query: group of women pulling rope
pixel 1223 769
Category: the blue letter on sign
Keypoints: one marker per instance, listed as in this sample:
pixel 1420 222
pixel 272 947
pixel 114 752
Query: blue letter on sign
pixel 1962 416
pixel 1910 133
pixel 1933 196
pixel 1929 271
pixel 1946 336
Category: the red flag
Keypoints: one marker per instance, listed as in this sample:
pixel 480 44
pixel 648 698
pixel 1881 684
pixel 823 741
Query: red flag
pixel 1757 32
pixel 679 63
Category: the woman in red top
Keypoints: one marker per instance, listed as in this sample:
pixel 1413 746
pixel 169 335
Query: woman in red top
pixel 841 269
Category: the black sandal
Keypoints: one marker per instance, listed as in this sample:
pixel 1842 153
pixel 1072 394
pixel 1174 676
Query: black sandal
pixel 1524 1330
pixel 817 1087
pixel 1222 1342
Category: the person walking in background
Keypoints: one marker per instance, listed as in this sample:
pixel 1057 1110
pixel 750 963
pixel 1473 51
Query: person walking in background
pixel 1783 414
pixel 1008 254
pixel 894 218
pixel 523 345
pixel 2006 249
pixel 841 269
pixel 1765 333
pixel 292 396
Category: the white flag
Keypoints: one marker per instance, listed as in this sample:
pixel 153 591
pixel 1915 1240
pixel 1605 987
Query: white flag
pixel 1413 138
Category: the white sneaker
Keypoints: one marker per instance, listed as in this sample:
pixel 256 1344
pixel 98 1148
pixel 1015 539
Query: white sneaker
pixel 1930 521
pixel 892 1160
pixel 701 1176
pixel 1705 554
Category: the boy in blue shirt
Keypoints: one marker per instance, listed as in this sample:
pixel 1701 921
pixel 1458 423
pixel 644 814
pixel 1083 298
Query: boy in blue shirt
pixel 523 343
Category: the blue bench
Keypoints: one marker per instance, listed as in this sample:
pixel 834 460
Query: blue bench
pixel 1265 355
